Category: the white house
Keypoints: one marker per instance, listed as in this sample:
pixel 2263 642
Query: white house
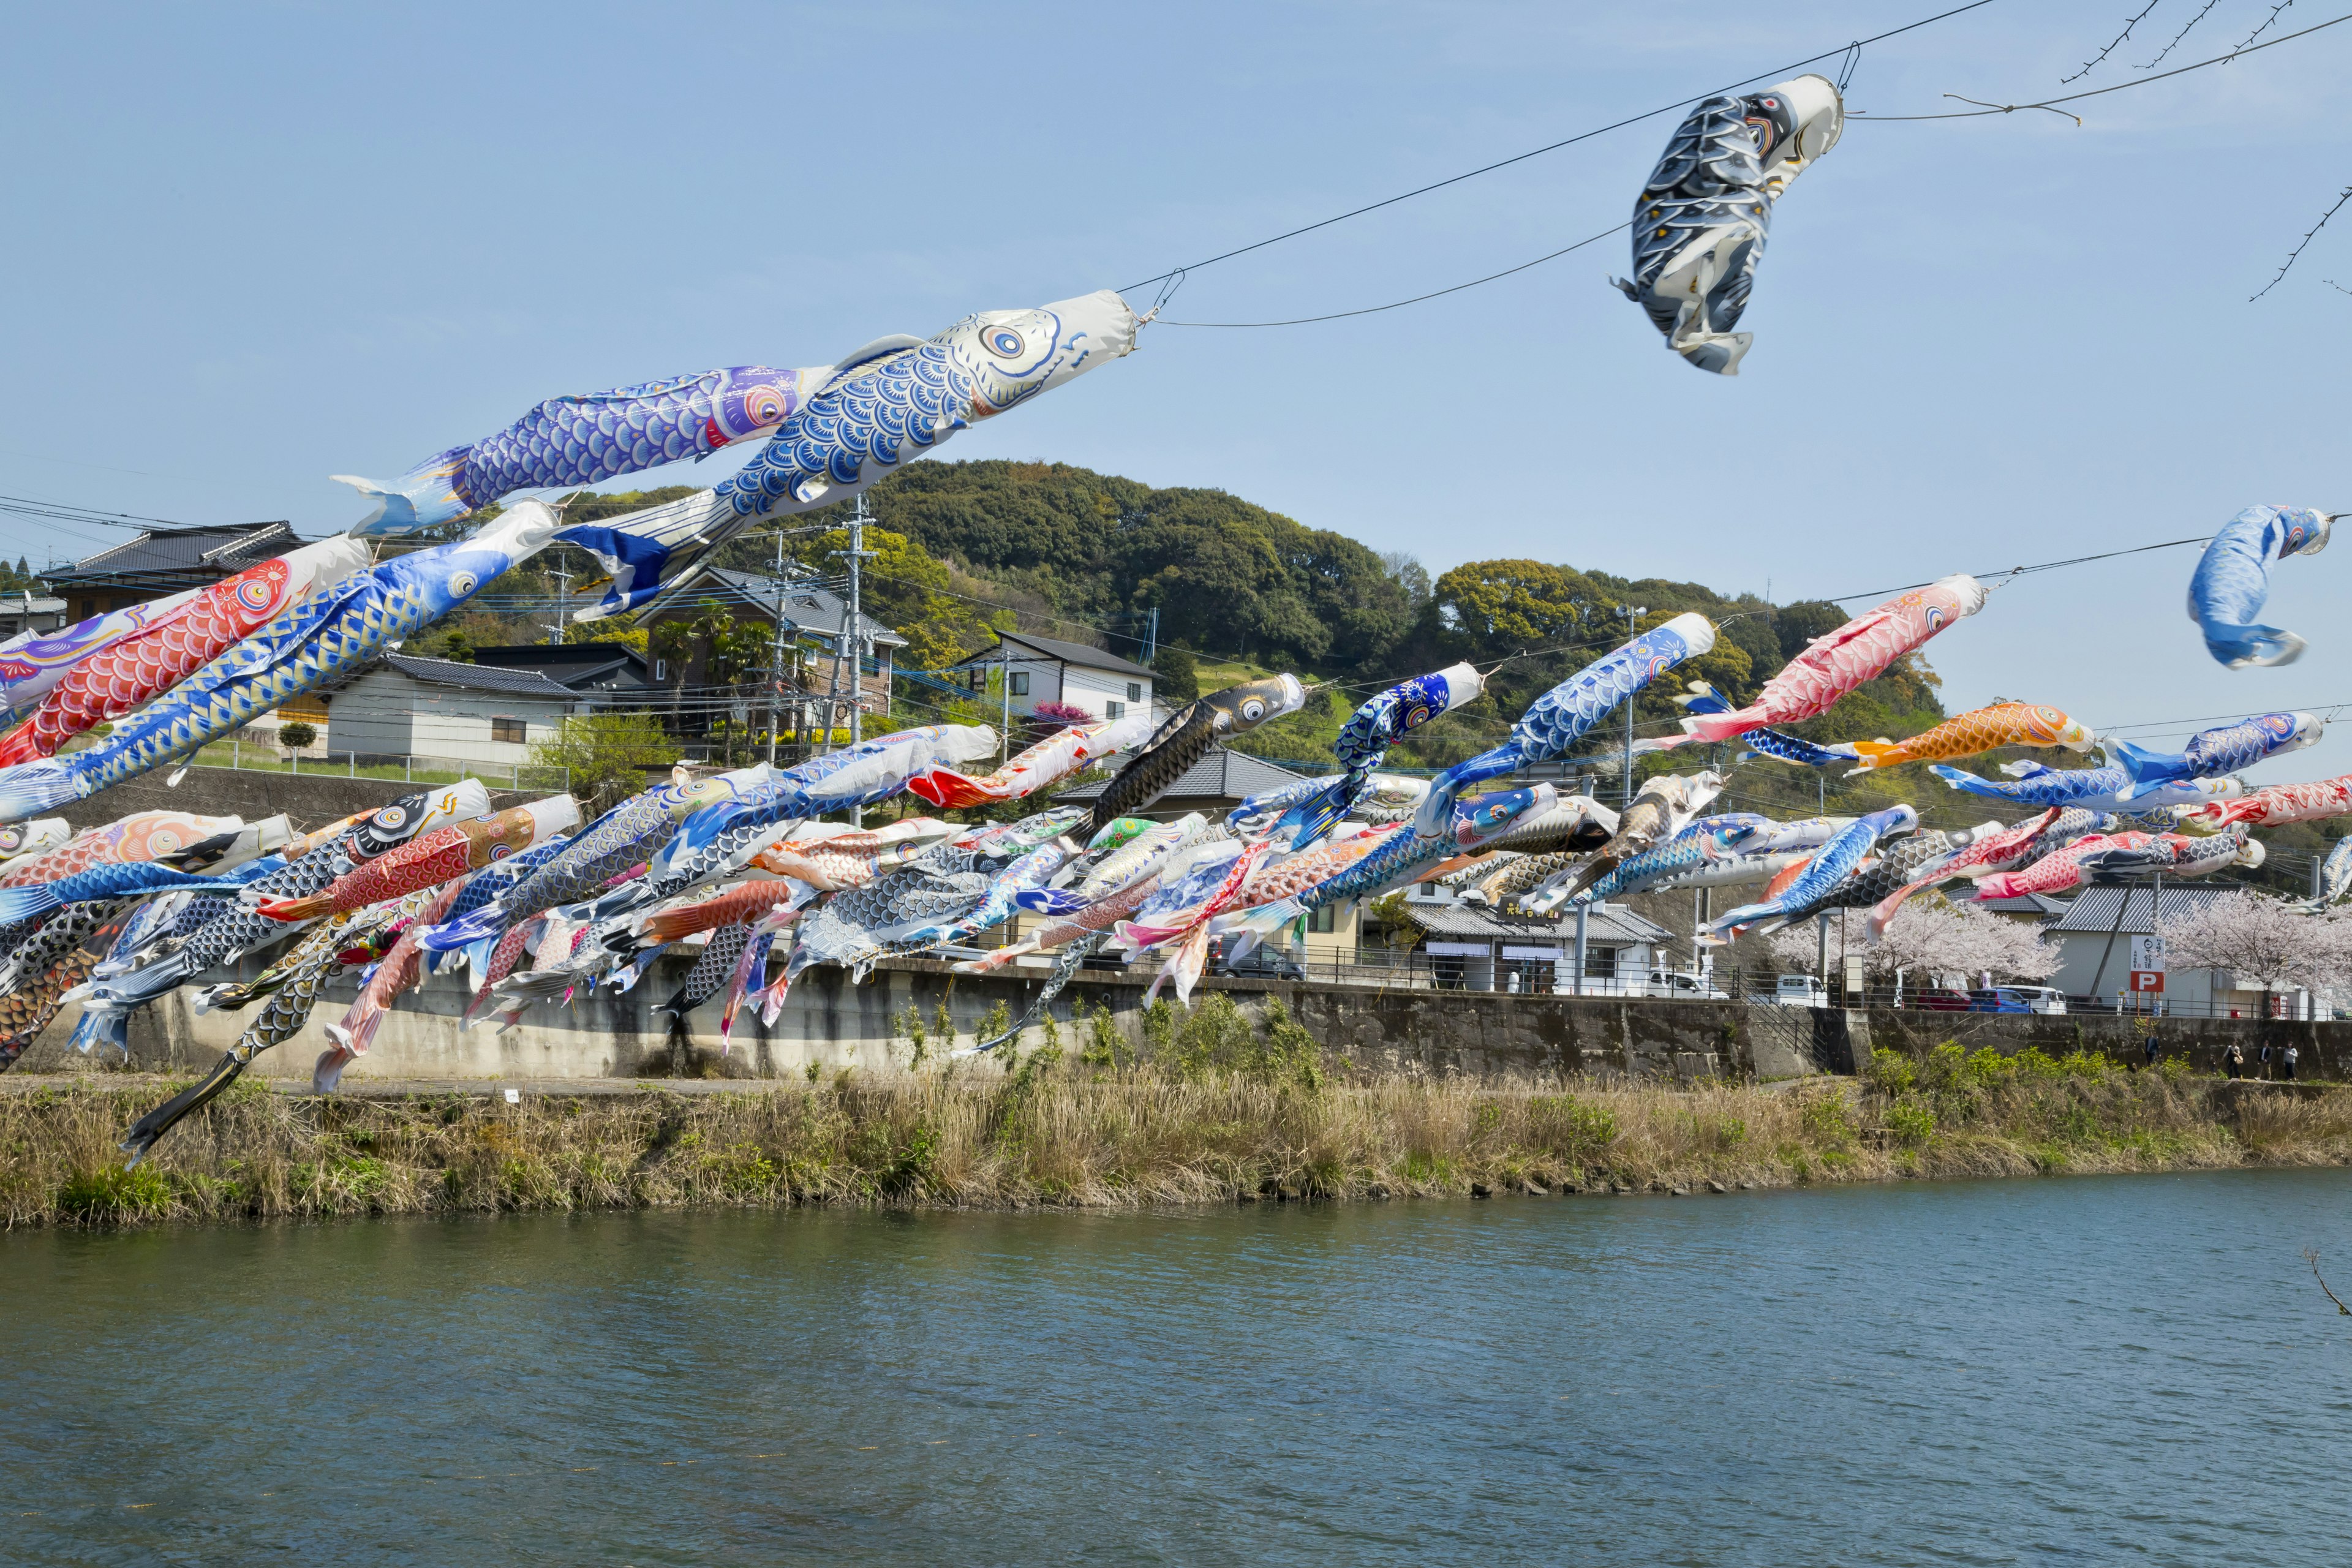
pixel 2109 959
pixel 1472 948
pixel 403 706
pixel 1043 670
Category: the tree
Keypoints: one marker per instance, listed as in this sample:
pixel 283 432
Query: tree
pixel 297 736
pixel 1178 680
pixel 2263 941
pixel 1928 937
pixel 1405 569
pixel 606 755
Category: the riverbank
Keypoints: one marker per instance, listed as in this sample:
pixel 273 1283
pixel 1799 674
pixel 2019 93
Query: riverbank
pixel 1262 1120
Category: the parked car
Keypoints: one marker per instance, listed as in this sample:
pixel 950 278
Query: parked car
pixel 1943 1001
pixel 1260 963
pixel 1685 986
pixel 2016 999
pixel 1801 991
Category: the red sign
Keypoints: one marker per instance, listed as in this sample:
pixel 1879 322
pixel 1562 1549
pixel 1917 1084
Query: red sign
pixel 2148 980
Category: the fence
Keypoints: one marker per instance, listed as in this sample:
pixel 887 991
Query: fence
pixel 259 756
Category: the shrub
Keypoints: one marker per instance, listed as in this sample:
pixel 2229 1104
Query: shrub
pixel 296 735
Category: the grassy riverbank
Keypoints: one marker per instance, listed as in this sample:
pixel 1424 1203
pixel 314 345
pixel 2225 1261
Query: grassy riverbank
pixel 1223 1113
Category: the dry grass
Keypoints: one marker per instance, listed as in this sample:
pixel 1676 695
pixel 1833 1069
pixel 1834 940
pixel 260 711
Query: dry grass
pixel 1219 1112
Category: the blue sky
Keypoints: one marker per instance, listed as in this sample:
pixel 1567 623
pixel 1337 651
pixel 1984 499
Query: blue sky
pixel 252 246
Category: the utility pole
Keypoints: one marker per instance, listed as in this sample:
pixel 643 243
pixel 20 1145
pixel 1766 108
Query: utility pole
pixel 776 655
pixel 1151 635
pixel 1630 612
pixel 560 569
pixel 855 634
pixel 1004 679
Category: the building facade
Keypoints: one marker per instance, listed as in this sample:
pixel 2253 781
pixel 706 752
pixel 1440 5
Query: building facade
pixel 400 706
pixel 164 561
pixel 820 688
pixel 1043 670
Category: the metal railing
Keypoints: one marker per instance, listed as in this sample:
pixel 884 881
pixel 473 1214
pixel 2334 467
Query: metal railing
pixel 420 768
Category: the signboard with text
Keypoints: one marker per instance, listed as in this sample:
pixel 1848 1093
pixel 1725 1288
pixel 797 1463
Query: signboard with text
pixel 2147 963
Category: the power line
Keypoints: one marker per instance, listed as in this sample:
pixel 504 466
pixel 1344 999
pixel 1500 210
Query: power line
pixel 1175 272
pixel 1417 298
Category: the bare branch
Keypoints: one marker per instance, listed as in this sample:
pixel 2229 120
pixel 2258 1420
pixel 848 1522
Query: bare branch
pixel 2177 36
pixel 2311 1255
pixel 2111 49
pixel 2341 197
pixel 2265 28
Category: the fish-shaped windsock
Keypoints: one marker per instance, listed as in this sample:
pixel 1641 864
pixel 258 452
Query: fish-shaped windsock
pixel 1829 866
pixel 1703 698
pixel 1663 809
pixel 53 960
pixel 2218 750
pixel 1978 729
pixel 1708 839
pixel 2274 805
pixel 32 664
pixel 1364 744
pixel 143 665
pixel 2335 873
pixel 1563 715
pixel 106 884
pixel 432 858
pixel 331 632
pixel 864 423
pixel 835 862
pixel 1185 738
pixel 351 1037
pixel 145 835
pixel 23 840
pixel 2178 855
pixel 1478 822
pixel 1837 661
pixel 1988 847
pixel 583 439
pixel 1051 759
pixel 2098 789
pixel 2232 582
pixel 2063 868
pixel 1700 224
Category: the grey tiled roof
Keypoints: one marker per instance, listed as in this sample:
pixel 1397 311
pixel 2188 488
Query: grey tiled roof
pixel 203 552
pixel 2094 910
pixel 2041 904
pixel 1605 922
pixel 1079 654
pixel 808 607
pixel 480 677
pixel 1220 775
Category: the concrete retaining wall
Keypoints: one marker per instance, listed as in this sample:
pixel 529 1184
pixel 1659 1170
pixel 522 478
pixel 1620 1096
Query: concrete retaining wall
pixel 312 800
pixel 830 1023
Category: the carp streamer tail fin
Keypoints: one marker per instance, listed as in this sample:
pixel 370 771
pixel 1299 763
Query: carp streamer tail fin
pixel 24 903
pixel 487 923
pixel 418 498
pixel 30 788
pixel 163 1118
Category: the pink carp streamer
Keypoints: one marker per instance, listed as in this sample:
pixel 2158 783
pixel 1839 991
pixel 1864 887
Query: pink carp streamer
pixel 2275 804
pixel 2059 869
pixel 1997 850
pixel 142 666
pixel 1835 663
pixel 1055 758
pixel 146 836
pixel 846 860
pixel 733 906
pixel 398 971
pixel 1190 930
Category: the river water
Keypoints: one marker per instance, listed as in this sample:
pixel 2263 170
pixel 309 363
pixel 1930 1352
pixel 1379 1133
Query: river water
pixel 2085 1370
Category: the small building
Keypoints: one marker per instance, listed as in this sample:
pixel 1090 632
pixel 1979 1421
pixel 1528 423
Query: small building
pixel 164 561
pixel 1213 787
pixel 28 612
pixel 2105 937
pixel 616 673
pixel 402 706
pixel 1472 948
pixel 818 685
pixel 1043 670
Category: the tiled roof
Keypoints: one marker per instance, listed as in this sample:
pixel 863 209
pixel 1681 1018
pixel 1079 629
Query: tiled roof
pixel 574 665
pixel 1079 654
pixel 807 606
pixel 1603 922
pixel 480 677
pixel 2041 904
pixel 202 551
pixel 1220 775
pixel 2094 910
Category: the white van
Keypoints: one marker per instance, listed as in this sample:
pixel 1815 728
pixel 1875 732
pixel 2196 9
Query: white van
pixel 1801 991
pixel 1685 986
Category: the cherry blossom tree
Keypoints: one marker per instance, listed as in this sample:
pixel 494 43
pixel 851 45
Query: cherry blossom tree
pixel 2267 943
pixel 1929 936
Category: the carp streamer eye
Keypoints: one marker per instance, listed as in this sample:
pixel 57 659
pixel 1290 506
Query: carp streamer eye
pixel 1002 342
pixel 1254 709
pixel 764 406
pixel 392 817
pixel 463 584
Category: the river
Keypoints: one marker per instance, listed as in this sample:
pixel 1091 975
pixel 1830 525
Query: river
pixel 2091 1370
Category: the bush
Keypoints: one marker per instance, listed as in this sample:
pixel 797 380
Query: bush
pixel 294 737
pixel 606 755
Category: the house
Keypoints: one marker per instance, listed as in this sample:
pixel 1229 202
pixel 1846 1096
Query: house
pixel 818 685
pixel 33 613
pixel 2110 961
pixel 400 706
pixel 1213 787
pixel 617 673
pixel 164 561
pixel 1474 948
pixel 1043 670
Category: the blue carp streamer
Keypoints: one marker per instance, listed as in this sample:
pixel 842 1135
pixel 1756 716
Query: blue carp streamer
pixel 1364 744
pixel 1568 711
pixel 2232 582
pixel 1837 860
pixel 581 440
pixel 2219 751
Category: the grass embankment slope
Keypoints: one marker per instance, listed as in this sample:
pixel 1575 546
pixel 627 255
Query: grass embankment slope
pixel 1216 1110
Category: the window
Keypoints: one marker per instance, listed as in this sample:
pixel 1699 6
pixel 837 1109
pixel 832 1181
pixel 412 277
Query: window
pixel 1114 709
pixel 661 670
pixel 512 730
pixel 1135 691
pixel 1325 920
pixel 1020 678
pixel 1600 962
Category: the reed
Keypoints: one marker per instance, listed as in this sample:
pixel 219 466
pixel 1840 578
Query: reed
pixel 1217 1112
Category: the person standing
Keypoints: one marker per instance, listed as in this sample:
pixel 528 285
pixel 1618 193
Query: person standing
pixel 2288 1061
pixel 2233 1060
pixel 2266 1064
pixel 2150 1048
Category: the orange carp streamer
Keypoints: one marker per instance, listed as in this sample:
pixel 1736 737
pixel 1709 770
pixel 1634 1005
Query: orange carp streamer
pixel 1980 730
